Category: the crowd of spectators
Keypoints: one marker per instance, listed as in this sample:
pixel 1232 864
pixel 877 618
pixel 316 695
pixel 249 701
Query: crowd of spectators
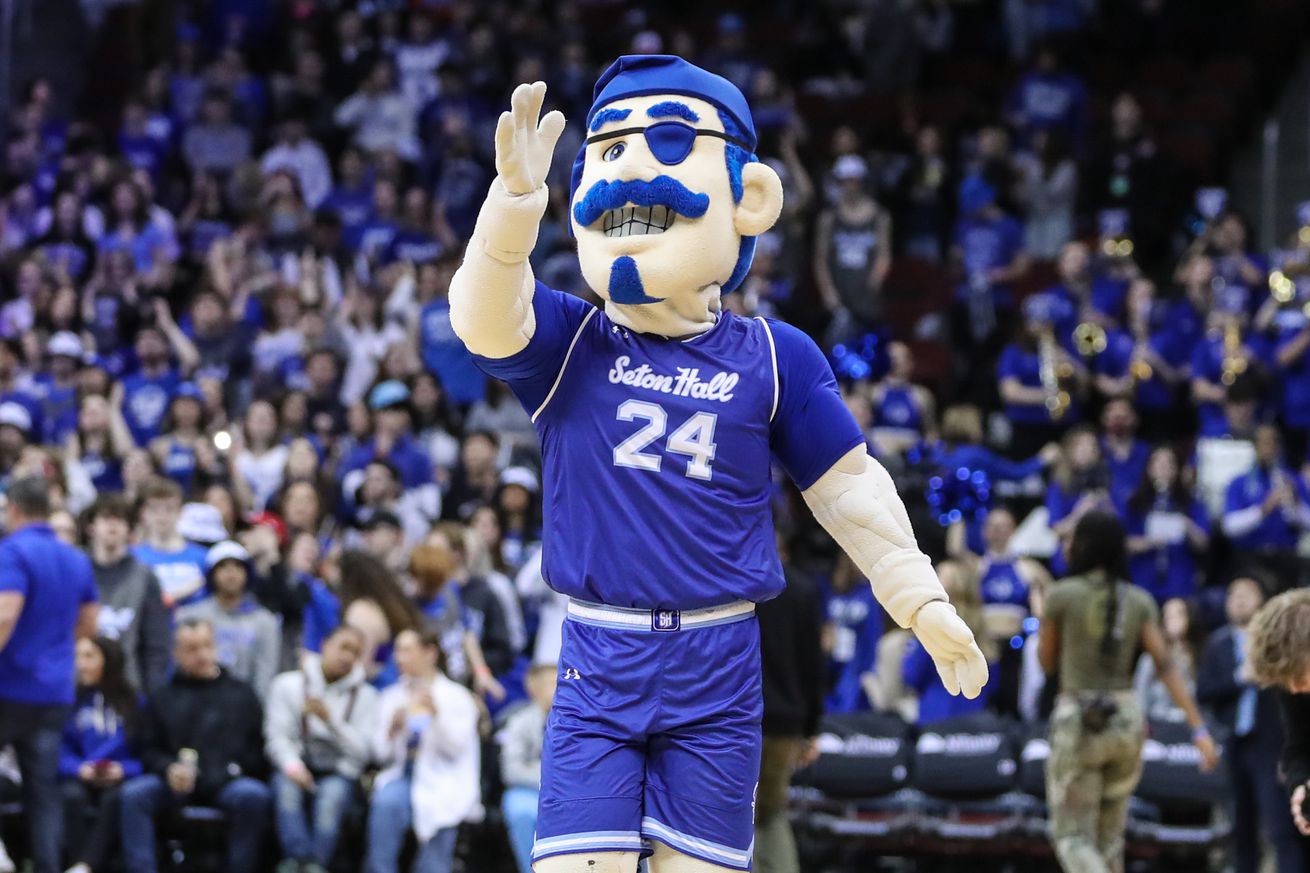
pixel 314 525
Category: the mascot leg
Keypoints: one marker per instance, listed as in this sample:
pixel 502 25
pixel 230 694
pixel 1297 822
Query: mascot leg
pixel 670 860
pixel 586 862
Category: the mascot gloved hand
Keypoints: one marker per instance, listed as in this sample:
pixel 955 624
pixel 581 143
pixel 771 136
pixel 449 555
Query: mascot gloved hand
pixel 659 416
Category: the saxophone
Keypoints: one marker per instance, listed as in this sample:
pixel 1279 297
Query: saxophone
pixel 1234 360
pixel 1049 372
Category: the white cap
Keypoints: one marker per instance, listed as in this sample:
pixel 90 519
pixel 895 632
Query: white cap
pixel 16 415
pixel 65 343
pixel 226 551
pixel 522 477
pixel 201 523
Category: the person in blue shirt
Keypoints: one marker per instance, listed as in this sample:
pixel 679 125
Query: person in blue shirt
pixel 1185 319
pixel 903 413
pixel 352 197
pixel 391 439
pixel 444 354
pixel 144 394
pixel 1030 405
pixel 1142 365
pixel 98 752
pixel 853 625
pixel 57 388
pixel 1125 455
pixel 1091 296
pixel 1226 351
pixel 1168 530
pixel 988 246
pixel 1290 329
pixel 178 564
pixel 414 241
pixel 935 701
pixel 48 598
pixel 1049 97
pixel 1267 509
pixel 1241 278
pixel 381 226
pixel 1079 484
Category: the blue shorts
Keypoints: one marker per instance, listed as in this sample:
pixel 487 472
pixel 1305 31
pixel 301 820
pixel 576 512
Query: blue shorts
pixel 654 736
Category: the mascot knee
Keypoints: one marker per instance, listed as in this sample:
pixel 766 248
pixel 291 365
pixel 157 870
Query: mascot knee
pixel 669 860
pixel 588 862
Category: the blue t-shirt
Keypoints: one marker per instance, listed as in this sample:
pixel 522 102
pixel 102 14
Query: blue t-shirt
pixel 1168 571
pixel 935 702
pixel 856 620
pixel 1153 393
pixel 181 573
pixel 1294 378
pixel 898 409
pixel 1000 582
pixel 1275 530
pixel 987 244
pixel 56 581
pixel 446 357
pixel 145 403
pixel 657 451
pixel 1125 472
pixel 1025 367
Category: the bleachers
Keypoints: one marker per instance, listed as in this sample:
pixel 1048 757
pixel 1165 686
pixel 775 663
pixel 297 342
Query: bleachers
pixel 976 786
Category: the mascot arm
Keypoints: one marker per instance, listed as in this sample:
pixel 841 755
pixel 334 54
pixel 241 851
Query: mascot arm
pixel 857 503
pixel 491 293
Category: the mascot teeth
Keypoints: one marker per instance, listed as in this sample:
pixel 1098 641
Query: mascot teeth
pixel 637 220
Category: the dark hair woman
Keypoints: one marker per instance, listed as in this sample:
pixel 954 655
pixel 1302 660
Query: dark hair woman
pixel 1093 625
pixel 1168 529
pixel 97 752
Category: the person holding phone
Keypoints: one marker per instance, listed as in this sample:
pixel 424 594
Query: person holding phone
pixel 98 751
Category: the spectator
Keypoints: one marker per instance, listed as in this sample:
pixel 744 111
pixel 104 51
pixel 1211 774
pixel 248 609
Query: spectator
pixel 853 624
pixel 427 745
pixel 1168 530
pixel 852 254
pixel 904 413
pixel 318 728
pixel 247 637
pixel 1049 98
pixel 1126 457
pixel 1184 638
pixel 443 354
pixel 1266 510
pixel 201 744
pixel 261 458
pixel 380 116
pixel 303 157
pixel 1048 186
pixel 475 479
pixel 99 751
pixel 216 144
pixel 484 549
pixel 1255 735
pixel 520 761
pixel 132 611
pixel 47 599
pixel 1037 378
pixel 178 564
pixel 1079 484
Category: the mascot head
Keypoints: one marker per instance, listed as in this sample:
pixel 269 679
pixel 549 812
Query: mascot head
pixel 667 196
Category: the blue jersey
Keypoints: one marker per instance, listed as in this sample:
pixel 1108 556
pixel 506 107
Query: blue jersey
pixel 898 409
pixel 856 621
pixel 1000 582
pixel 657 451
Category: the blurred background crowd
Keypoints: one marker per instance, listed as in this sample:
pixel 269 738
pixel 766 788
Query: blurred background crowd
pixel 227 230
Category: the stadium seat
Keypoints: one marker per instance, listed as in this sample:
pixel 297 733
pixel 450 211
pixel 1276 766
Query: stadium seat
pixel 1173 783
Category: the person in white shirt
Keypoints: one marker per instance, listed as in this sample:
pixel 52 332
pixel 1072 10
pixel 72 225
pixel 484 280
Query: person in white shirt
pixel 302 156
pixel 427 744
pixel 520 761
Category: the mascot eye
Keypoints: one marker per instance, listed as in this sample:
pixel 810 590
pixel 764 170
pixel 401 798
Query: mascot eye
pixel 612 153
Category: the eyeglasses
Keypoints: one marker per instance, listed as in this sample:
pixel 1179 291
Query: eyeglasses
pixel 669 141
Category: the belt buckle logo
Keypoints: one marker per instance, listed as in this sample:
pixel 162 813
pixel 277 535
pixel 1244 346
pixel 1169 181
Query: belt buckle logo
pixel 665 619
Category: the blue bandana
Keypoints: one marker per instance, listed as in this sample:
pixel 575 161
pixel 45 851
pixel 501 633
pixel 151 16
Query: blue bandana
pixel 641 75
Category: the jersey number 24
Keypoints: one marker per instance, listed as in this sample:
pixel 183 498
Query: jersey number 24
pixel 694 438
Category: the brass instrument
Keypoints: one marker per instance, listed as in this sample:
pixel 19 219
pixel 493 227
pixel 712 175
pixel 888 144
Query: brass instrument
pixel 1139 369
pixel 1234 360
pixel 1117 248
pixel 1089 339
pixel 1282 284
pixel 1050 370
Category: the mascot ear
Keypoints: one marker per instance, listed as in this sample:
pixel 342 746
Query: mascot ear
pixel 761 199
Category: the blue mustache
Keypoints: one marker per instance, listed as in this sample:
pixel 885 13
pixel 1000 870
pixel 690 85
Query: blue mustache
pixel 660 191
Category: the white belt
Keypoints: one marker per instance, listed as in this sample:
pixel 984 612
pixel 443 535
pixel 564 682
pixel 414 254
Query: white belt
pixel 664 620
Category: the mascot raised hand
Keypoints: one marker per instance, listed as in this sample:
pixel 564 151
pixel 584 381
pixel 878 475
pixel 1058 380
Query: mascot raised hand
pixel 658 416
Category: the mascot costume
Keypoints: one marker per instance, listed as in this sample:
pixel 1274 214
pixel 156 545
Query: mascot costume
pixel 658 416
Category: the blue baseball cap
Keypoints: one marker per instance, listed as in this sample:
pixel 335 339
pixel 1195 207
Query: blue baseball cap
pixel 188 389
pixel 389 393
pixel 643 75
